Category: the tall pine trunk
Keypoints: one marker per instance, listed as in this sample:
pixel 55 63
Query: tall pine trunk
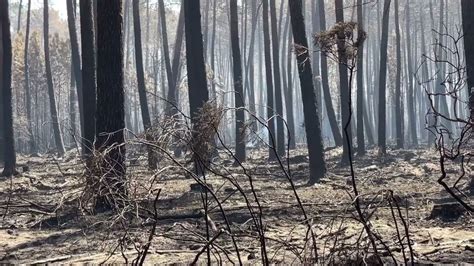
pixel 398 94
pixel 410 94
pixel 382 138
pixel 269 79
pixel 325 83
pixel 52 101
pixel 141 81
pixel 76 63
pixel 344 87
pixel 31 141
pixel 360 84
pixel 277 81
pixel 6 90
pixel 89 75
pixel 110 117
pixel 310 108
pixel 238 84
pixel 197 83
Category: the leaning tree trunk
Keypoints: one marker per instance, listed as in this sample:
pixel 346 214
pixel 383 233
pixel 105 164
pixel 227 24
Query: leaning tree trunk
pixel 49 77
pixel 76 63
pixel 382 141
pixel 141 82
pixel 325 83
pixel 110 117
pixel 6 87
pixel 238 84
pixel 166 55
pixel 310 108
pixel 89 75
pixel 31 141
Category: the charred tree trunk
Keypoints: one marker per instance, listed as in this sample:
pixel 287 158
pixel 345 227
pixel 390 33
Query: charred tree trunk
pixel 31 141
pixel 382 138
pixel 76 63
pixel 173 96
pixel 52 101
pixel 89 75
pixel 166 55
pixel 197 83
pixel 311 118
pixel 344 87
pixel 141 81
pixel 468 28
pixel 6 90
pixel 277 81
pixel 20 6
pixel 269 78
pixel 360 84
pixel 238 84
pixel 325 83
pixel 398 94
pixel 110 122
pixel 410 94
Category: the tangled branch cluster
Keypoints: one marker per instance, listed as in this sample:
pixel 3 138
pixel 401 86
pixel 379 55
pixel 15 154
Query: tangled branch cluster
pixel 449 116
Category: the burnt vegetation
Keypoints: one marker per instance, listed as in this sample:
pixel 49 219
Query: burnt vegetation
pixel 236 132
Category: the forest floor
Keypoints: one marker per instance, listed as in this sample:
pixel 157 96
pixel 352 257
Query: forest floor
pixel 38 226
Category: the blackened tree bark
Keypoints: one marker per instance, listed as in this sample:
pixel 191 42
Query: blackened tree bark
pixel 289 87
pixel 360 84
pixel 398 95
pixel 76 62
pixel 110 117
pixel 141 80
pixel 173 92
pixel 6 87
pixel 2 124
pixel 311 118
pixel 213 47
pixel 31 141
pixel 89 75
pixel 52 101
pixel 344 86
pixel 277 81
pixel 238 84
pixel 172 68
pixel 382 141
pixel 325 83
pixel 20 6
pixel 410 95
pixel 197 83
pixel 269 79
pixel 468 28
pixel 166 51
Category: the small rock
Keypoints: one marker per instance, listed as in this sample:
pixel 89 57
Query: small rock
pixel 12 232
pixel 430 167
pixel 251 256
pixel 370 168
